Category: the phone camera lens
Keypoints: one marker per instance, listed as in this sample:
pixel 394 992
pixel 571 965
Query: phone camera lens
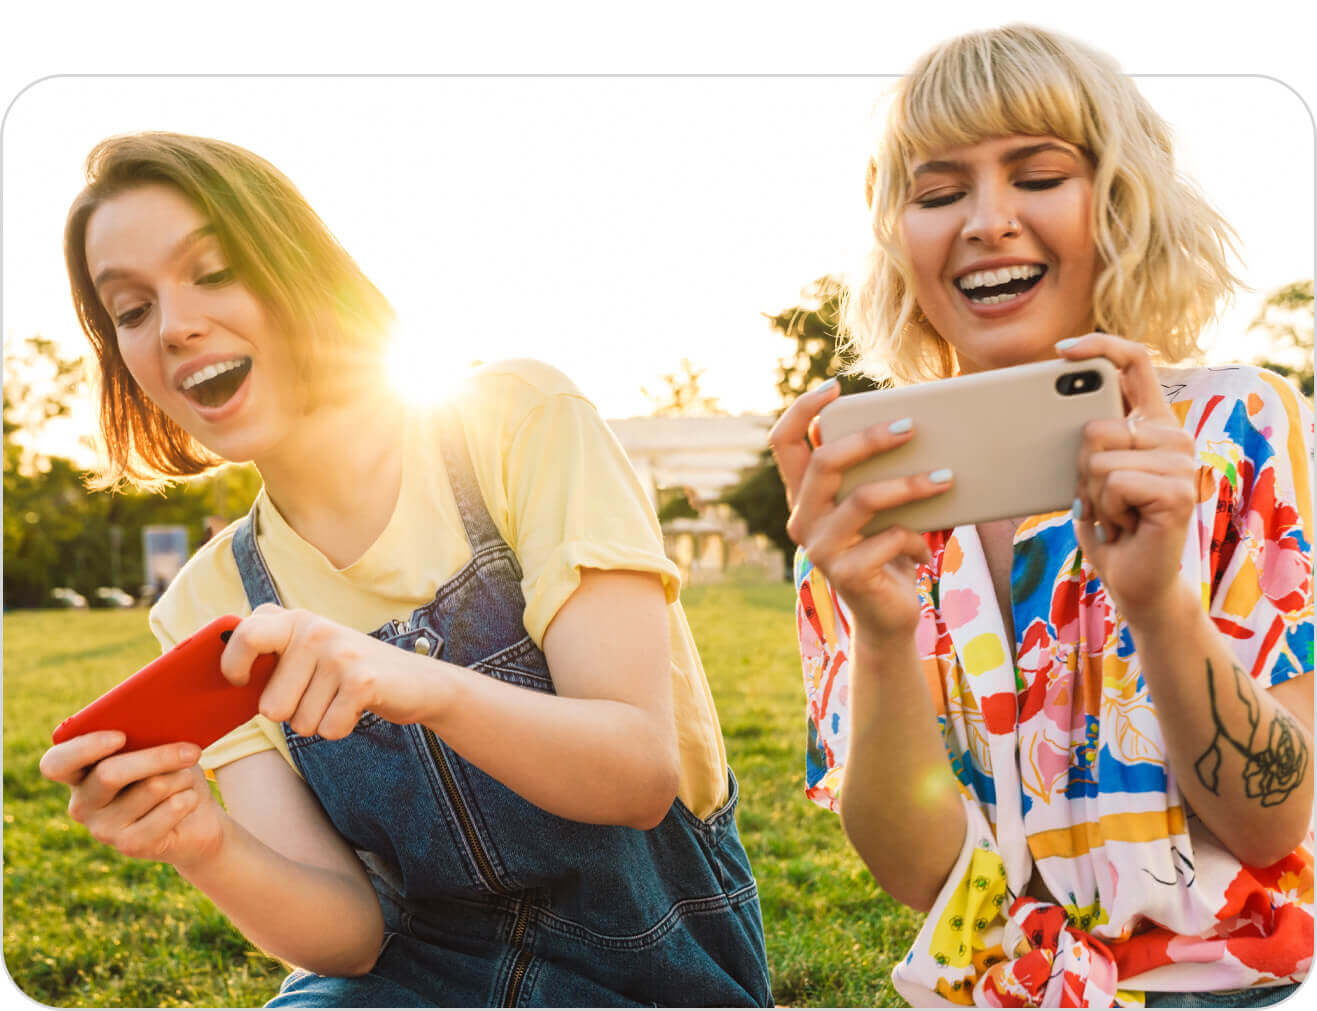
pixel 1079 382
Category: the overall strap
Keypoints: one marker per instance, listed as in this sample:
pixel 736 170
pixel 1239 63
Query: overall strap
pixel 256 579
pixel 480 530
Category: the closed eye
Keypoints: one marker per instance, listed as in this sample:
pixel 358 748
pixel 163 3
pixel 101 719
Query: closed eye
pixel 216 278
pixel 940 200
pixel 131 317
pixel 1040 184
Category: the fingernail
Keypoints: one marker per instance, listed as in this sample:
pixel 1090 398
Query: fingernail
pixel 822 387
pixel 901 427
pixel 1100 532
pixel 188 752
pixel 940 476
pixel 1067 344
pixel 1077 510
pixel 814 437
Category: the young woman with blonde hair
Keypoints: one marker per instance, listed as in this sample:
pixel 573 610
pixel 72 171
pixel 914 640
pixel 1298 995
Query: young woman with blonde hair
pixel 512 790
pixel 1080 741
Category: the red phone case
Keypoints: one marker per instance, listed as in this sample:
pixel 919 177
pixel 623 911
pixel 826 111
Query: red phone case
pixel 179 696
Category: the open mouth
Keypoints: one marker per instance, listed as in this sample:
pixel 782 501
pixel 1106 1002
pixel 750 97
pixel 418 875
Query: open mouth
pixel 215 385
pixel 990 287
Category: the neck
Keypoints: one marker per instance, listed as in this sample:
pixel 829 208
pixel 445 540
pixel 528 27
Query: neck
pixel 336 480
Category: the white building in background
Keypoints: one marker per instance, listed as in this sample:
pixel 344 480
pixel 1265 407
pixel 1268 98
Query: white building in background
pixel 704 456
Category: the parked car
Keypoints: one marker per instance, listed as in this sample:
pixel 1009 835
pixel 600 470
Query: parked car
pixel 64 596
pixel 112 596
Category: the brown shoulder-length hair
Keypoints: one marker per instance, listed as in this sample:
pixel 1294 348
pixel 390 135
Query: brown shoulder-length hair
pixel 275 244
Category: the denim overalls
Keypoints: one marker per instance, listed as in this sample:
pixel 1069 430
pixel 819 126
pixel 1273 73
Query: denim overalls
pixel 488 899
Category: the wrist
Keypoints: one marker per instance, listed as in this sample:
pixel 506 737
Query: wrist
pixel 439 683
pixel 1171 614
pixel 204 860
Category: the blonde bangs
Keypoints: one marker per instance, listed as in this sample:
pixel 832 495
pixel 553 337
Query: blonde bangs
pixel 1163 248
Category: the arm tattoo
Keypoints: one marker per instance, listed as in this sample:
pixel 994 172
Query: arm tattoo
pixel 1272 768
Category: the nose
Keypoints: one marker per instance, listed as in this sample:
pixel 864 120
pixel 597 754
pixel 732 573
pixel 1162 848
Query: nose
pixel 991 216
pixel 181 320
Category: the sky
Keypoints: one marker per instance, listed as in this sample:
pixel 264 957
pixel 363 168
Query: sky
pixel 610 225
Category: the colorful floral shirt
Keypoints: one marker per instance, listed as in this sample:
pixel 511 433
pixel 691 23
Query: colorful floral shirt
pixel 1060 755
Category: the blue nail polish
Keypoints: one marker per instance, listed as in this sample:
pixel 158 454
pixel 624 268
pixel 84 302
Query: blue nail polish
pixel 822 387
pixel 940 476
pixel 901 427
pixel 1077 510
pixel 1100 532
pixel 1068 343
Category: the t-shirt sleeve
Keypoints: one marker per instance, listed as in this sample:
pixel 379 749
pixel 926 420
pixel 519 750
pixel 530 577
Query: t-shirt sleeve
pixel 573 501
pixel 823 632
pixel 1255 522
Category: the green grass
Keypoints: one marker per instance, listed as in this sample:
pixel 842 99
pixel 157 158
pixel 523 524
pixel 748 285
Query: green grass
pixel 84 927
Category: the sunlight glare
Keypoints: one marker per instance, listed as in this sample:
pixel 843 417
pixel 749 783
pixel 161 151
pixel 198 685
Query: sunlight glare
pixel 423 370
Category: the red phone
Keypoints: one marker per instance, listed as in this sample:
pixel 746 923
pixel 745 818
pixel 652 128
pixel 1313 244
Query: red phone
pixel 179 696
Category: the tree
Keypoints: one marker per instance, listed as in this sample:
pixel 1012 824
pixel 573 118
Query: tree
pixel 682 395
pixel 56 533
pixel 759 497
pixel 1286 317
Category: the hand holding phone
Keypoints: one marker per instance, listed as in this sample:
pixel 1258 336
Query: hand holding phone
pixel 180 696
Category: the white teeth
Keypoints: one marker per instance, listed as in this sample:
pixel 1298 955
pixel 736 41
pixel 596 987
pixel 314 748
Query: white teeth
pixel 991 278
pixel 210 372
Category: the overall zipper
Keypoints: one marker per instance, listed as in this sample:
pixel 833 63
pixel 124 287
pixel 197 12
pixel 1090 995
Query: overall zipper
pixel 484 864
pixel 513 992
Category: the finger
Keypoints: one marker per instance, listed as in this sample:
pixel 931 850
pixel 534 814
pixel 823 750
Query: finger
pixel 150 836
pixel 268 629
pixel 138 799
pixel 843 526
pixel 320 689
pixel 293 676
pixel 828 465
pixel 69 761
pixel 1136 496
pixel 111 776
pixel 866 560
pixel 788 437
pixel 340 718
pixel 1098 467
pixel 1138 377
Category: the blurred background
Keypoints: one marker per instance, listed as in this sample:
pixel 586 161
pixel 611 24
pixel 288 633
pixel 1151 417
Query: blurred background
pixel 675 245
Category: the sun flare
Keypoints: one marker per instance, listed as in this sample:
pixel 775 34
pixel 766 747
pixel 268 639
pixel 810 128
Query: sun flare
pixel 422 370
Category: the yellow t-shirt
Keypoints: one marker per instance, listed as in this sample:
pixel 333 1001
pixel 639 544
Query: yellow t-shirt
pixel 561 492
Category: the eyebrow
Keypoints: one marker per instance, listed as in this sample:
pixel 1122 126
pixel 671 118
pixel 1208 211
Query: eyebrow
pixel 1012 156
pixel 180 247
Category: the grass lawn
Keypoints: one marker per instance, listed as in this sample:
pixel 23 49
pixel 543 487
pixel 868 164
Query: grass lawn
pixel 85 927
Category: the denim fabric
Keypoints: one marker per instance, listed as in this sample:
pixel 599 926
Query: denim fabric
pixel 1258 996
pixel 488 899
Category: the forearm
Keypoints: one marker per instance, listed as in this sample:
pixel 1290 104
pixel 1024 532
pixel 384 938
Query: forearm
pixel 900 804
pixel 1241 759
pixel 587 759
pixel 316 918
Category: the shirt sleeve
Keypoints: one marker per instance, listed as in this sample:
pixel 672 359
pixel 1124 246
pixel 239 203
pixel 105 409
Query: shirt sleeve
pixel 823 631
pixel 574 501
pixel 1255 519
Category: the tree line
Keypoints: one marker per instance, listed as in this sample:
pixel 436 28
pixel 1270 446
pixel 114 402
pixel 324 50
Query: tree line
pixel 57 533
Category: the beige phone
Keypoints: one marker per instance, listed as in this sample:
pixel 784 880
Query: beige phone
pixel 1010 436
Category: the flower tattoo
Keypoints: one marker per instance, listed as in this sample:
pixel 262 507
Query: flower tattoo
pixel 1271 772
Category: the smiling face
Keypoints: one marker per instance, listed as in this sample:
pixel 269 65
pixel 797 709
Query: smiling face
pixel 999 237
pixel 194 338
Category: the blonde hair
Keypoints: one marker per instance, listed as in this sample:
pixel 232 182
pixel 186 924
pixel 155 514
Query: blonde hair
pixel 335 319
pixel 1162 248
